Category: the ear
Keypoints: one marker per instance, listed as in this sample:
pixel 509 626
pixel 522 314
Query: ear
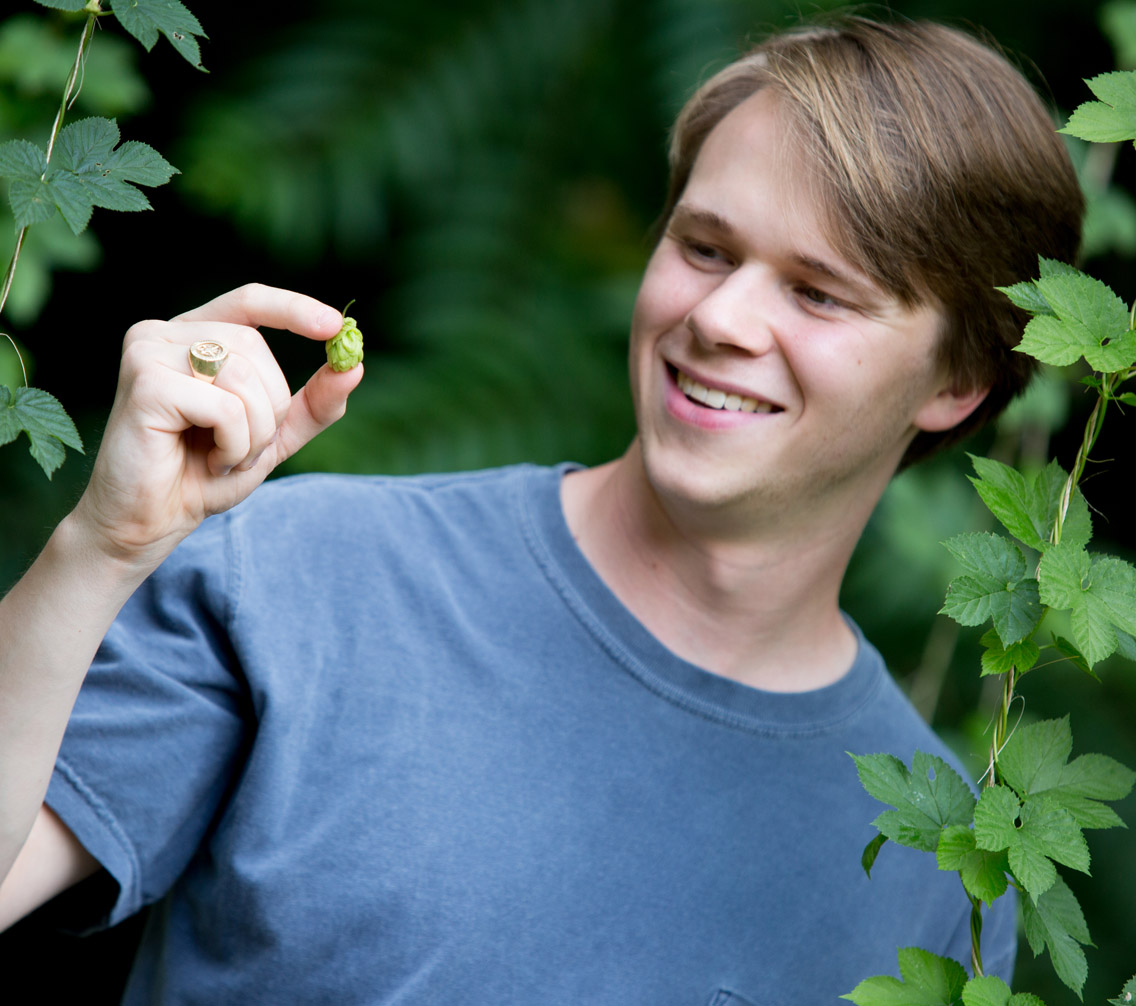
pixel 947 408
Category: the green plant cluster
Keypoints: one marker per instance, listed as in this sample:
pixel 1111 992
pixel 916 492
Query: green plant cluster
pixel 82 166
pixel 1036 803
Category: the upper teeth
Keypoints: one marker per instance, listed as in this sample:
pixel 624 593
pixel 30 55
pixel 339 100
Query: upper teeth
pixel 718 399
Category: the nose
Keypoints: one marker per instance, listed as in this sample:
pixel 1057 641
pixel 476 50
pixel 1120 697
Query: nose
pixel 736 314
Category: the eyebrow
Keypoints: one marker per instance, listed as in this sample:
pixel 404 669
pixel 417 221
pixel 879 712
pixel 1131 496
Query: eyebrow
pixel 685 213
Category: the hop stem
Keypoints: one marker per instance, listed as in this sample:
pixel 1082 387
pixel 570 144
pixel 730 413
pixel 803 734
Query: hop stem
pixel 57 126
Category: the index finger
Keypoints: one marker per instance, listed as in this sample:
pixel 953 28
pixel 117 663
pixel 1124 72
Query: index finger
pixel 256 304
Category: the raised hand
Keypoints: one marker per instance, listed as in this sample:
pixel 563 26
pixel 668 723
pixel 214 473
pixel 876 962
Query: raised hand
pixel 177 448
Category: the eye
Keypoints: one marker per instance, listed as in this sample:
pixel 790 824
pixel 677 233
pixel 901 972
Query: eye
pixel 703 254
pixel 816 298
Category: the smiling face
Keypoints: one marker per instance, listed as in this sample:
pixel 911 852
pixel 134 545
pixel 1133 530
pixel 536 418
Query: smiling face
pixel 767 371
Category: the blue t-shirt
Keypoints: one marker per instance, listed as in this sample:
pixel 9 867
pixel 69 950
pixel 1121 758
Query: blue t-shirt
pixel 375 740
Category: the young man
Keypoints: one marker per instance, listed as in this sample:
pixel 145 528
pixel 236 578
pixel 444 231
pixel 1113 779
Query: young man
pixel 547 735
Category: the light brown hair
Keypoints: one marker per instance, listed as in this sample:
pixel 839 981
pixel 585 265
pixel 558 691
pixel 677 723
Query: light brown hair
pixel 937 168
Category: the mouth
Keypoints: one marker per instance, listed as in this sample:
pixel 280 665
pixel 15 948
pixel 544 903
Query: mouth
pixel 717 398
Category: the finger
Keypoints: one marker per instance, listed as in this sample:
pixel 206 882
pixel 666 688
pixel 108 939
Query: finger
pixel 255 305
pixel 317 405
pixel 188 402
pixel 241 377
pixel 243 343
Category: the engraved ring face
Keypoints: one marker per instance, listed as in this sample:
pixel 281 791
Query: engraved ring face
pixel 206 359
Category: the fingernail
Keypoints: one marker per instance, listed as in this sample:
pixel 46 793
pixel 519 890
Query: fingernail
pixel 249 464
pixel 327 318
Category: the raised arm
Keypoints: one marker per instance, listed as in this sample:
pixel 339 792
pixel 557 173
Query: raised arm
pixel 176 449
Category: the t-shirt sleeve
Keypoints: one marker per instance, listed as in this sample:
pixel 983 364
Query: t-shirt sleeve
pixel 160 727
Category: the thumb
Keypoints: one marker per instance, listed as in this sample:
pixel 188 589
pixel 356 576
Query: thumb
pixel 317 405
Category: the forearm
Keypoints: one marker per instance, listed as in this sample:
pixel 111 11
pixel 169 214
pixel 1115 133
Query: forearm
pixel 51 624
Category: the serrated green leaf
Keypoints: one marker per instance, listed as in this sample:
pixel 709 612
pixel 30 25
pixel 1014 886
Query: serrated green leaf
pixel 1116 88
pixel 1057 923
pixel 1127 994
pixel 990 990
pixel 1035 760
pixel 1012 499
pixel 22 159
pixel 32 202
pixel 1034 835
pixel 86 142
pixel 43 419
pixel 998 586
pixel 144 19
pixel 1027 296
pixel 999 659
pixel 983 873
pixel 1028 508
pixel 928 980
pixel 72 199
pixel 1128 398
pixel 986 991
pixel 88 155
pixel 73 5
pixel 1090 321
pixel 1098 123
pixel 1047 268
pixel 1113 117
pixel 988 556
pixel 139 163
pixel 871 851
pixel 928 798
pixel 1095 591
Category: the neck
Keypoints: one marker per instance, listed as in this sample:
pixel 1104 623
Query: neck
pixel 759 606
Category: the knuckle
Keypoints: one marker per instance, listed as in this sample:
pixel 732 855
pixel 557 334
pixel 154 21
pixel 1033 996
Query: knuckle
pixel 147 383
pixel 249 293
pixel 231 410
pixel 140 331
pixel 136 356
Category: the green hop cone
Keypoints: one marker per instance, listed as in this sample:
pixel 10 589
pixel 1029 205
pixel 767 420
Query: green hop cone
pixel 345 350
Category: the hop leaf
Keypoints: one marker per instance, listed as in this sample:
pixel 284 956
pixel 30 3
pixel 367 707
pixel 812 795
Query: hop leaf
pixel 928 980
pixel 997 586
pixel 1096 591
pixel 43 419
pixel 1028 508
pixel 1057 923
pixel 1127 994
pixel 145 19
pixel 345 349
pixel 1034 834
pixel 990 990
pixel 1035 760
pixel 983 873
pixel 1085 319
pixel 1111 119
pixel 89 170
pixel 928 798
pixel 999 659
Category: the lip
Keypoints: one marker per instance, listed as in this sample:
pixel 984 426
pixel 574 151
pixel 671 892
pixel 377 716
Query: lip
pixel 682 408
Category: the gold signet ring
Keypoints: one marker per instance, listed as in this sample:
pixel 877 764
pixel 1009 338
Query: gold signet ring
pixel 206 359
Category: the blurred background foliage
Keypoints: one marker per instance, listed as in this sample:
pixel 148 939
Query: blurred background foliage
pixel 483 176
